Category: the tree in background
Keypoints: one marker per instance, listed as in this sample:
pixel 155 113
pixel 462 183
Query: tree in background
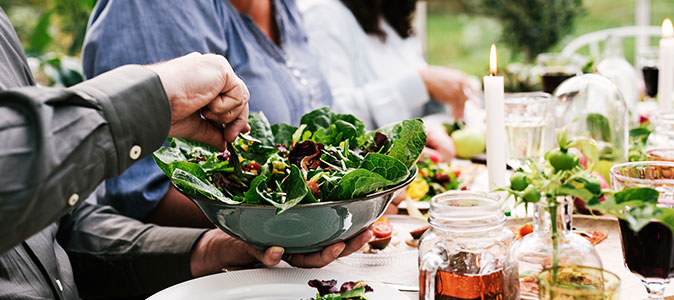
pixel 531 27
pixel 52 32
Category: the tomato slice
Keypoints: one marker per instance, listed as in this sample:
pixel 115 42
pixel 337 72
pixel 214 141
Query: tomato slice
pixel 526 229
pixel 382 219
pixel 382 230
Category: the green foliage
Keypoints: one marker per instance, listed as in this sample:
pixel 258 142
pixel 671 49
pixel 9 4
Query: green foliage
pixel 532 26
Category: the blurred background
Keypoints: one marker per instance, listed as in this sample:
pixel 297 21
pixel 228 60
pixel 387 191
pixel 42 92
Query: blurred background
pixel 458 32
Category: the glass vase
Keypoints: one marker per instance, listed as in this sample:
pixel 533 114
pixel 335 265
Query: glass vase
pixel 534 252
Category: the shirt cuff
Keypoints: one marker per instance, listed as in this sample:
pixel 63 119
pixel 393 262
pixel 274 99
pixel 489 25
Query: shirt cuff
pixel 136 107
pixel 413 90
pixel 171 249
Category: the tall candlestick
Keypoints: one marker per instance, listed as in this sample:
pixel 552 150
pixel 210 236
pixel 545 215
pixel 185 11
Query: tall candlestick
pixel 493 102
pixel 666 67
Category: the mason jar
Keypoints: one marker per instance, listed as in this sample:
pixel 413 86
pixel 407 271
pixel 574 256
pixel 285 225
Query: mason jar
pixel 663 133
pixel 464 255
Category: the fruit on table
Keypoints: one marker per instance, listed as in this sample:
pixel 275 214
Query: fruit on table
pixel 468 142
pixel 382 229
pixel 518 181
pixel 379 243
pixel 416 234
pixel 525 229
pixel 418 188
pixel 563 160
pixel 532 194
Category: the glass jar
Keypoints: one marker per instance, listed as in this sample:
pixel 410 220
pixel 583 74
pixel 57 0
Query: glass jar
pixel 591 107
pixel 533 252
pixel 663 133
pixel 464 253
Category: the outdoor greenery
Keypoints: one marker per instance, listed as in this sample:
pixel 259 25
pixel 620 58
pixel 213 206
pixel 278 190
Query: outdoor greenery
pixel 460 37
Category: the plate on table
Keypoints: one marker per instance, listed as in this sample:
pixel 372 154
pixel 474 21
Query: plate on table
pixel 398 250
pixel 265 284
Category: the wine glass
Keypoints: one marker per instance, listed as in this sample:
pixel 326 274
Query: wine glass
pixel 648 253
pixel 648 61
pixel 526 116
pixel 556 68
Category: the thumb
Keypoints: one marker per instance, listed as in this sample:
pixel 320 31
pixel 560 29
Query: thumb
pixel 270 257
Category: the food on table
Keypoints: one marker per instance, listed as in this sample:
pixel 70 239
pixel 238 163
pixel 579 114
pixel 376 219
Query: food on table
pixel 382 231
pixel 593 236
pixel 433 178
pixel 350 290
pixel 416 235
pixel 328 157
pixel 469 142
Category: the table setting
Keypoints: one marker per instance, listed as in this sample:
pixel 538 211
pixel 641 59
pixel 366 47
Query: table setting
pixel 575 200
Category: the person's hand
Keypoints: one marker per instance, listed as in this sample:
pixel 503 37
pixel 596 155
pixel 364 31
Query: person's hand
pixel 205 84
pixel 217 250
pixel 448 86
pixel 439 146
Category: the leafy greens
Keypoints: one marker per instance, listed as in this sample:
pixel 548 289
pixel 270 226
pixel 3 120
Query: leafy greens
pixel 328 157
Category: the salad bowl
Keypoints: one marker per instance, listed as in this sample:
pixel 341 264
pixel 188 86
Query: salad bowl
pixel 303 228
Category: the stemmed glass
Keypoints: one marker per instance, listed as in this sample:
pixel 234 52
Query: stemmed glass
pixel 556 68
pixel 526 116
pixel 648 253
pixel 648 60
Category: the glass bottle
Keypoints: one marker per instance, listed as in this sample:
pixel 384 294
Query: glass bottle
pixel 592 108
pixel 616 68
pixel 533 252
pixel 663 133
pixel 464 253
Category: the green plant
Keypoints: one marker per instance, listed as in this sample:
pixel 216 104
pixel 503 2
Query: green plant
pixel 532 26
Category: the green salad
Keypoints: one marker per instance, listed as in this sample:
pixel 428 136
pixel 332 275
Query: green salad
pixel 328 157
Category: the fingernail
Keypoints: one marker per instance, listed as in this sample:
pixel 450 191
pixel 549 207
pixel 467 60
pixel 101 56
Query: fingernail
pixel 338 251
pixel 276 253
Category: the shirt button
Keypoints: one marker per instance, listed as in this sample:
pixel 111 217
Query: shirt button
pixel 297 73
pixel 135 152
pixel 58 283
pixel 73 199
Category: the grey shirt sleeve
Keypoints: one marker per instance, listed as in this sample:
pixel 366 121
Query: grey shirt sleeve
pixel 59 144
pixel 119 257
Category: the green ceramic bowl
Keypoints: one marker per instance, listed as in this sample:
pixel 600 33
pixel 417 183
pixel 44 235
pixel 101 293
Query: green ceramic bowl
pixel 303 228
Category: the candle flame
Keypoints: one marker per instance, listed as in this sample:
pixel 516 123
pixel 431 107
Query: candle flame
pixel 492 60
pixel 667 30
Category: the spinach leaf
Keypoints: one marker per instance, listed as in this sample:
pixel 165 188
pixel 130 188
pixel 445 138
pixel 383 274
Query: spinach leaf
pixel 409 139
pixel 252 149
pixel 296 190
pixel 165 157
pixel 186 146
pixel 194 181
pixel 317 119
pixel 357 183
pixel 388 167
pixel 599 127
pixel 283 134
pixel 258 192
pixel 260 129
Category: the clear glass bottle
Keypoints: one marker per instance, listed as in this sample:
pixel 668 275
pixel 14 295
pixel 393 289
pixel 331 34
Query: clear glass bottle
pixel 464 253
pixel 533 252
pixel 591 107
pixel 663 133
pixel 616 68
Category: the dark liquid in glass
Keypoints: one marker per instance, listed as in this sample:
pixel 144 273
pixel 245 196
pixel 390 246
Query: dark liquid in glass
pixel 649 252
pixel 452 286
pixel 651 80
pixel 551 81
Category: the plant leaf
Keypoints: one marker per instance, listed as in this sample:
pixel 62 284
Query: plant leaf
pixel 647 195
pixel 408 142
pixel 599 127
pixel 187 180
pixel 260 128
pixel 386 166
pixel 358 183
pixel 283 134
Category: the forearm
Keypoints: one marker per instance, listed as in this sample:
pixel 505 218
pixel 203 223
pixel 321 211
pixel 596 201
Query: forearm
pixel 59 144
pixel 114 256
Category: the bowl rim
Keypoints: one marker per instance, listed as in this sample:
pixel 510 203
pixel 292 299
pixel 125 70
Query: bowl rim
pixel 413 174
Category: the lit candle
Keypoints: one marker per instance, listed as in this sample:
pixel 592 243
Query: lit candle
pixel 493 102
pixel 666 67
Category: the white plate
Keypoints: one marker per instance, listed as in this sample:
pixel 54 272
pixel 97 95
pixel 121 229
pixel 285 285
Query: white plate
pixel 265 284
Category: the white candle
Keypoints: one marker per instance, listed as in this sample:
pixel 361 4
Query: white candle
pixel 493 102
pixel 666 67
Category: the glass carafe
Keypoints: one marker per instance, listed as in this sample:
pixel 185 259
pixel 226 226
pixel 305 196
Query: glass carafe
pixel 533 252
pixel 663 133
pixel 464 253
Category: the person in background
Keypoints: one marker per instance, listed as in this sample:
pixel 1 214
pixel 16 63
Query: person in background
pixel 60 143
pixel 265 43
pixel 375 66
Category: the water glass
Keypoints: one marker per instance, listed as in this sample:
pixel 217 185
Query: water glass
pixel 556 68
pixel 574 282
pixel 526 117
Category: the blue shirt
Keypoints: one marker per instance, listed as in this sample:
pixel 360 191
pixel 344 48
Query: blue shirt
pixel 284 80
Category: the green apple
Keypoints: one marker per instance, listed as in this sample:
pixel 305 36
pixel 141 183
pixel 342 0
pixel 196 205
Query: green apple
pixel 468 142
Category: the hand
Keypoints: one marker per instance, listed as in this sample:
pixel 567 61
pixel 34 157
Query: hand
pixel 447 86
pixel 217 250
pixel 439 146
pixel 204 84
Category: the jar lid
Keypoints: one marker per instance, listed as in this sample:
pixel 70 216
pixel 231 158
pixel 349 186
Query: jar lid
pixel 463 211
